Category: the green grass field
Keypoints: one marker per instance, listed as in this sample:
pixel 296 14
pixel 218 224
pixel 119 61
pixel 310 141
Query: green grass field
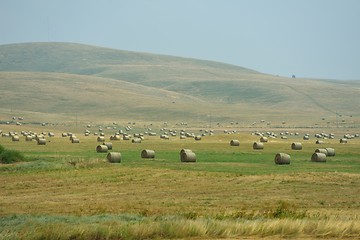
pixel 69 191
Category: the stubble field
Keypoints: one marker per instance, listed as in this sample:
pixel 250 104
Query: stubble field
pixel 65 190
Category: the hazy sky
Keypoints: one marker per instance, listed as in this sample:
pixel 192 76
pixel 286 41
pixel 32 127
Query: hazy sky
pixel 308 38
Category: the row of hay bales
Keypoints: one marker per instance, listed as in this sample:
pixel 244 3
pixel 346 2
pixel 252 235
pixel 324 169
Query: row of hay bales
pixel 306 136
pixel 40 138
pixel 350 136
pixel 164 134
pixel 186 155
pixel 324 135
pixel 260 145
pixel 167 133
pixel 27 133
pixel 318 156
pixel 117 137
pixel 29 136
pixel 256 145
pixel 274 135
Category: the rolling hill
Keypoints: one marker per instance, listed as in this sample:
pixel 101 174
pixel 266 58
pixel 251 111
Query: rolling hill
pixel 62 81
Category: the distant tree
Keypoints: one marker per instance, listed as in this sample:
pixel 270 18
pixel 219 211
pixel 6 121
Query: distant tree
pixel 293 76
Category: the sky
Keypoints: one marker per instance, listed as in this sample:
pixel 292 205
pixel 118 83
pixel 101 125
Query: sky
pixel 305 38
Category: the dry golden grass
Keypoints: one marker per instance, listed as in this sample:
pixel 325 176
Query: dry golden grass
pixel 115 190
pixel 62 81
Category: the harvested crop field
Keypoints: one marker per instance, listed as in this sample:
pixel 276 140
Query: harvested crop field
pixel 64 190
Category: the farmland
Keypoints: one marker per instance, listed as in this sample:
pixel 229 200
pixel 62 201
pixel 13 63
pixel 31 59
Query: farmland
pixel 64 190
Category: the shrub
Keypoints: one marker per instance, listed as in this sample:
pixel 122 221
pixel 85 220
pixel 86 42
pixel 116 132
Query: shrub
pixel 1 149
pixel 286 210
pixel 10 156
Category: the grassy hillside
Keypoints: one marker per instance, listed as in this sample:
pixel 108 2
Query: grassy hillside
pixel 66 80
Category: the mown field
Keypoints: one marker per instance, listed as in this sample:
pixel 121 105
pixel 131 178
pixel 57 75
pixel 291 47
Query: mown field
pixel 69 191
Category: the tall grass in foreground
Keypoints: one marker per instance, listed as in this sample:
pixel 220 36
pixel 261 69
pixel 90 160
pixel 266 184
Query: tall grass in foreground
pixel 171 227
pixel 10 156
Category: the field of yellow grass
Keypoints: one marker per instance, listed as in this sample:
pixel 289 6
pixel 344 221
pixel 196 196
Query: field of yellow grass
pixel 68 191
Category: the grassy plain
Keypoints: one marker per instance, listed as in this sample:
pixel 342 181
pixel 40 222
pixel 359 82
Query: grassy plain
pixel 68 191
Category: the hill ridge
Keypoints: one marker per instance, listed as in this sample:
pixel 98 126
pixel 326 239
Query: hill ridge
pixel 40 50
pixel 80 78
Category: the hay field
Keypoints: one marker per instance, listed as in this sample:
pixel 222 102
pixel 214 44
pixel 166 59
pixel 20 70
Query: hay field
pixel 68 191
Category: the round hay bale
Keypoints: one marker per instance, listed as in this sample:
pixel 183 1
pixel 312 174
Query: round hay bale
pixel 182 137
pixel 343 140
pixel 198 137
pixel 72 137
pixel 114 157
pixel 296 146
pixel 321 150
pixel 126 137
pixel 185 150
pixel 115 137
pixel 28 138
pixel 39 136
pixel 101 139
pixel 64 135
pixel 319 142
pixel 330 152
pixel 136 140
pixel 318 157
pixel 264 139
pixel 234 142
pixel 75 140
pixel 101 148
pixel 15 138
pixel 147 153
pixel 282 158
pixel 41 141
pixel 306 137
pixel 108 144
pixel 164 136
pixel 188 156
pixel 258 146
